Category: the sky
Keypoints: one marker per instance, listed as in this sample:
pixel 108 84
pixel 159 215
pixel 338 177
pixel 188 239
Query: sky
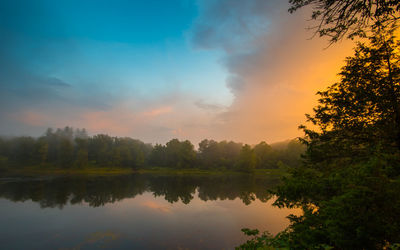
pixel 155 70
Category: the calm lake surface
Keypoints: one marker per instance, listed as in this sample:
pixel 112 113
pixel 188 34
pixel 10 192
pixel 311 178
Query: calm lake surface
pixel 140 211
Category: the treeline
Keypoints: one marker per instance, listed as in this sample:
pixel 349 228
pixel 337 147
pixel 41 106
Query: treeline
pixel 73 148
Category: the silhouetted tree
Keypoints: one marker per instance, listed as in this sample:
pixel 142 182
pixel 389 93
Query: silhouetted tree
pixel 338 18
pixel 348 186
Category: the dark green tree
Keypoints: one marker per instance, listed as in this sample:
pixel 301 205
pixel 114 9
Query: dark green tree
pixel 65 153
pixel 218 155
pixel 349 184
pixel 158 156
pixel 265 156
pixel 209 154
pixel 81 148
pixel 247 159
pixel 42 150
pixel 180 154
pixel 22 150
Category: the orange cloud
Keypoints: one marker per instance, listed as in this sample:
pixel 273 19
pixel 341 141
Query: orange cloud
pixel 275 71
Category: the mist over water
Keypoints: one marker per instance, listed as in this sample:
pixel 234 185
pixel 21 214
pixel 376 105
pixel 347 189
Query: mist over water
pixel 136 211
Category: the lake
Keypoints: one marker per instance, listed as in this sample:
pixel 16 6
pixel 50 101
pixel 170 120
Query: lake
pixel 140 211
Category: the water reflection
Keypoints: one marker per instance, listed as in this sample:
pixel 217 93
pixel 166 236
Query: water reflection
pixel 98 191
pixel 135 212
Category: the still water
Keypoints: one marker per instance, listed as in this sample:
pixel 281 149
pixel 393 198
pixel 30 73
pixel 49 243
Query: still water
pixel 135 211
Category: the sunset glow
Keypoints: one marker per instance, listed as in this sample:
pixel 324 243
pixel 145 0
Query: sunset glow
pixel 244 71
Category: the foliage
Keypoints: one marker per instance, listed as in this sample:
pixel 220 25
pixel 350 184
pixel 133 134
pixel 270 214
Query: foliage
pixel 351 18
pixel 212 154
pixel 349 183
pixel 247 159
pixel 74 149
pixel 264 241
pixel 175 154
pixel 231 155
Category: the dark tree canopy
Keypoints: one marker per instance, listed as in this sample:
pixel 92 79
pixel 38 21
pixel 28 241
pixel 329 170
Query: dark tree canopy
pixel 348 186
pixel 348 18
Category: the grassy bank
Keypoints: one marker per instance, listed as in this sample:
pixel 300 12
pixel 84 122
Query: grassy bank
pixel 197 171
pixel 48 170
pixel 40 170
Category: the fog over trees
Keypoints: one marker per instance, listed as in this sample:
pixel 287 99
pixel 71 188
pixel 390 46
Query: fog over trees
pixel 73 148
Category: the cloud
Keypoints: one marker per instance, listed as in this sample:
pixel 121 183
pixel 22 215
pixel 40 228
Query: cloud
pixel 158 111
pixel 274 68
pixel 53 81
pixel 201 104
pixel 273 71
pixel 231 25
pixel 33 98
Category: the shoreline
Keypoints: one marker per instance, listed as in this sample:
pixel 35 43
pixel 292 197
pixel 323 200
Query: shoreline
pixel 101 171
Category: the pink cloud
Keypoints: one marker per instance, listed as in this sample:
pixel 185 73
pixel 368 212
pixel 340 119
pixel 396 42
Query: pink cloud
pixel 158 111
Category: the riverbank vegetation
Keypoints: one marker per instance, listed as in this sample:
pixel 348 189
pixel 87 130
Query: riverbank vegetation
pixel 72 150
pixel 348 185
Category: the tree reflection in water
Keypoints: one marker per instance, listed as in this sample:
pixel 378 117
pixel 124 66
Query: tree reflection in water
pixel 100 190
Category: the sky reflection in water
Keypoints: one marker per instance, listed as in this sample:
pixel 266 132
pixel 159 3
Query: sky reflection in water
pixel 139 211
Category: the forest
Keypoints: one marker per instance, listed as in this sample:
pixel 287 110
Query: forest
pixel 70 148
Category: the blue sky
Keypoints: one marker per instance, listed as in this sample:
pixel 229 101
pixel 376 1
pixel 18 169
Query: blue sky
pixel 140 46
pixel 102 52
pixel 156 70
